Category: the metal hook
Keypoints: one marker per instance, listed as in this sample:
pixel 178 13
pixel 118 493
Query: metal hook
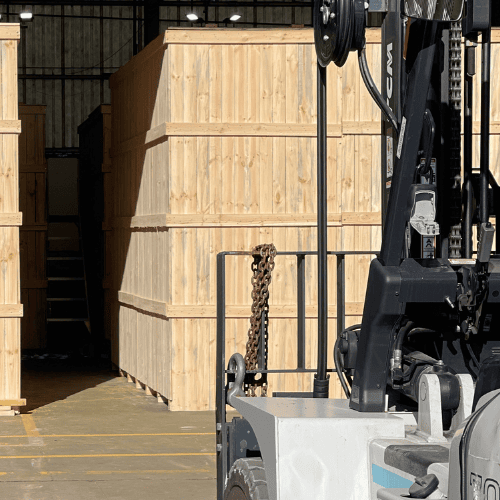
pixel 237 365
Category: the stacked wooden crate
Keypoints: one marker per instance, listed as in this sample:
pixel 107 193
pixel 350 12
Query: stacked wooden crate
pixel 11 309
pixel 214 149
pixel 95 200
pixel 33 238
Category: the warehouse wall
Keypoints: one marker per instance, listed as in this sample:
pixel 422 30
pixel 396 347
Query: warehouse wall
pixel 65 60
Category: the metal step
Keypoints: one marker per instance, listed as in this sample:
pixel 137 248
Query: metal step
pixel 65 299
pixel 64 258
pixel 60 320
pixel 54 238
pixel 61 278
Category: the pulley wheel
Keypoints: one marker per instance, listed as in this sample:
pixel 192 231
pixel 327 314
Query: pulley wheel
pixel 339 27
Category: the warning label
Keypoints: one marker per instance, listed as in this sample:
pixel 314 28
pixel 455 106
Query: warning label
pixel 390 154
pixel 428 247
pixel 401 137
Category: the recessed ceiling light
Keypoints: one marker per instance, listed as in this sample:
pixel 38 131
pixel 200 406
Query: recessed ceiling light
pixel 234 17
pixel 26 16
pixel 192 17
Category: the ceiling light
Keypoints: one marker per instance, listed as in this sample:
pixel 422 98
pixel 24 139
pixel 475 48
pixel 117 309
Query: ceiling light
pixel 26 16
pixel 234 17
pixel 192 17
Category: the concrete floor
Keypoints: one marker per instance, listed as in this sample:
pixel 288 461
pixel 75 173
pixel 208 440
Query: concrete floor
pixel 88 434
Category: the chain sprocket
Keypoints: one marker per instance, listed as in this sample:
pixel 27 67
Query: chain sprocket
pixel 262 268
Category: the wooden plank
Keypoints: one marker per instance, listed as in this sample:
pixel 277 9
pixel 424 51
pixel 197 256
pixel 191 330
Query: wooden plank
pixel 361 128
pixel 217 36
pixel 15 219
pixel 33 168
pixel 10 126
pixel 13 402
pixel 241 130
pixel 190 129
pixel 30 283
pixel 11 310
pixel 165 310
pixel 10 31
pixel 34 227
pixel 245 220
pixel 31 109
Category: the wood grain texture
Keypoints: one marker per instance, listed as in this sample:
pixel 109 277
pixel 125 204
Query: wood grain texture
pixel 10 293
pixel 10 31
pixel 213 149
pixel 33 235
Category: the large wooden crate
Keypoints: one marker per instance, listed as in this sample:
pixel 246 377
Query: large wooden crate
pixel 11 309
pixel 33 237
pixel 95 200
pixel 214 149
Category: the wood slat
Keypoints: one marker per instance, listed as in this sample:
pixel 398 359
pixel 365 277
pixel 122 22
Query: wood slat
pixel 10 126
pixel 35 227
pixel 232 311
pixel 13 402
pixel 10 31
pixel 11 310
pixel 15 219
pixel 243 220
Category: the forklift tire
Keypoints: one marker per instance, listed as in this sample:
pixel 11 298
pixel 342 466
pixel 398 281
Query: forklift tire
pixel 247 480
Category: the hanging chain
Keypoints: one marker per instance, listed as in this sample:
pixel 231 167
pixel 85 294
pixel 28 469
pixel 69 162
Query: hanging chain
pixel 455 88
pixel 262 267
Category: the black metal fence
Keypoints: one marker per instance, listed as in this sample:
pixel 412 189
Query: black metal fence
pixel 221 431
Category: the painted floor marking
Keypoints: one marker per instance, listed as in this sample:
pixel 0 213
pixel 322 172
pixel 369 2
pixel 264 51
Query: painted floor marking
pixel 110 472
pixel 29 425
pixel 113 455
pixel 107 435
pixel 32 433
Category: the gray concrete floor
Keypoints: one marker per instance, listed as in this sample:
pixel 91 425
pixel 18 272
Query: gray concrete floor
pixel 90 434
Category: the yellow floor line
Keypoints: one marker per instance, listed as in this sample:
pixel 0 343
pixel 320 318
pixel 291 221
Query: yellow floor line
pixel 29 426
pixel 109 472
pixel 146 471
pixel 105 455
pixel 108 435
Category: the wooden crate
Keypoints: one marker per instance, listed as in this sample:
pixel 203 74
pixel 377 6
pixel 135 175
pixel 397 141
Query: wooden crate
pixel 214 149
pixel 11 309
pixel 33 236
pixel 95 203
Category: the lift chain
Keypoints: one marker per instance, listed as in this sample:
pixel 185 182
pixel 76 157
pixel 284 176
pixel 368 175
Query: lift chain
pixel 262 267
pixel 455 88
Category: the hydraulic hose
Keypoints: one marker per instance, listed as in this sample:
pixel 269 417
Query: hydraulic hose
pixel 339 365
pixel 374 92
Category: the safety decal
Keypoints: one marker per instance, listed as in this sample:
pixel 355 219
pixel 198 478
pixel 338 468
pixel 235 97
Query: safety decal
pixel 388 479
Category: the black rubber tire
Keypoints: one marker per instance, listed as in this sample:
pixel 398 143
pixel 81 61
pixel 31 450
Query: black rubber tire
pixel 247 480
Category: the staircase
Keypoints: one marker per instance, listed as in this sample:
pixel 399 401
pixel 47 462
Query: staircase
pixel 68 326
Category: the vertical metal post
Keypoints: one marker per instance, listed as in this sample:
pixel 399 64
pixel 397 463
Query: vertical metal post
pixel 101 50
pixel 220 396
pixel 485 125
pixel 63 81
pixel 468 100
pixel 340 294
pixel 151 20
pixel 301 311
pixel 134 29
pixel 321 380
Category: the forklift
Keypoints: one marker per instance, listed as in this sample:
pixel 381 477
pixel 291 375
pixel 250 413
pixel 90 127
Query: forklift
pixel 421 374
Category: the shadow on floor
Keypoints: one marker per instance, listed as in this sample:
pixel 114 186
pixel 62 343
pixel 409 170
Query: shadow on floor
pixel 44 381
